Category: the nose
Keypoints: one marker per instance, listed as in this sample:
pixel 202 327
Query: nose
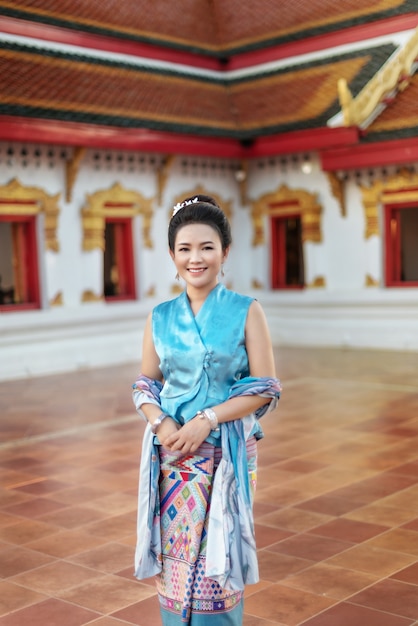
pixel 195 256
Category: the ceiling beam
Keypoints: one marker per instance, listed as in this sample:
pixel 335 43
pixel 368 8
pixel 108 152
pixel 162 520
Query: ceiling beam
pixel 377 154
pixel 32 130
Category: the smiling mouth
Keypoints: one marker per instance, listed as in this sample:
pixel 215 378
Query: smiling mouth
pixel 196 270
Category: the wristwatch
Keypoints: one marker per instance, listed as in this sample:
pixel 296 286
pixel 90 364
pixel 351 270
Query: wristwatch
pixel 157 423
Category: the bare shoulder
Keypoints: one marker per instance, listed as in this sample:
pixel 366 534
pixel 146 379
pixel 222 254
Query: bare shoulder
pixel 256 316
pixel 258 342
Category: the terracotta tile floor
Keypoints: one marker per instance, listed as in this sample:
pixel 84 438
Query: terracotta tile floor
pixel 336 506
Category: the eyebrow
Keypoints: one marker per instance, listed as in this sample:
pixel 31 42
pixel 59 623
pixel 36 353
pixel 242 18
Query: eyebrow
pixel 186 243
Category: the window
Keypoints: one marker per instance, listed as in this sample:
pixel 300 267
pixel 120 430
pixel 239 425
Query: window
pixel 108 221
pixel 20 210
pixel 401 245
pixel 294 217
pixel 118 272
pixel 19 286
pixel 287 267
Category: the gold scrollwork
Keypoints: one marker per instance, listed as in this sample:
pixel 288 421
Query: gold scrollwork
pixel 337 189
pixel 284 202
pixel 113 202
pixel 71 170
pixel 398 189
pixel 18 199
pixel 162 175
pixel 394 76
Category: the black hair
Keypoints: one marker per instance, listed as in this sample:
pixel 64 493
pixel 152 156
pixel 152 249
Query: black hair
pixel 200 209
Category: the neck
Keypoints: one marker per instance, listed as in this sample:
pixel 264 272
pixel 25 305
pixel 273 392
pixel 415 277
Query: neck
pixel 198 296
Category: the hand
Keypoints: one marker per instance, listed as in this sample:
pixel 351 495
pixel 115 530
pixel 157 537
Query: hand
pixel 166 429
pixel 189 437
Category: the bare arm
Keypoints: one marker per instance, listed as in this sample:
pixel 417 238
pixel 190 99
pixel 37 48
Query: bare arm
pixel 150 367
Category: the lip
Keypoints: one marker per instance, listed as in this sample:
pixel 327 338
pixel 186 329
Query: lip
pixel 196 270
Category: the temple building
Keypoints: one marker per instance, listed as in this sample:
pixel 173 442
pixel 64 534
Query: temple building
pixel 300 118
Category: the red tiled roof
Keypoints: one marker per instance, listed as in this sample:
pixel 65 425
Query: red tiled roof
pixel 219 27
pixel 400 117
pixel 58 86
pixel 50 84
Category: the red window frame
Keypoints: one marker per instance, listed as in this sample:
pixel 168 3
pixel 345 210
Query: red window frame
pixel 393 245
pixel 124 259
pixel 25 262
pixel 278 251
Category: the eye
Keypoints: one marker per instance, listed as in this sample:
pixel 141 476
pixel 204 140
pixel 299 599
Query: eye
pixel 208 248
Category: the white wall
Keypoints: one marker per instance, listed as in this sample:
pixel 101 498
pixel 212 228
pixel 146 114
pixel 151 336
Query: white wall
pixel 79 335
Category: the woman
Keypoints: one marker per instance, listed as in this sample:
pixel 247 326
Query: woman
pixel 207 376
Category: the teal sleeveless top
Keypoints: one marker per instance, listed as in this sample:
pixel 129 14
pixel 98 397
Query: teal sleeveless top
pixel 201 356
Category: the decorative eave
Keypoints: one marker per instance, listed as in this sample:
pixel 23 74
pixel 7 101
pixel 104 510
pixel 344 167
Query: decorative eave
pixel 304 141
pixel 393 77
pixel 114 138
pixel 106 137
pixel 377 154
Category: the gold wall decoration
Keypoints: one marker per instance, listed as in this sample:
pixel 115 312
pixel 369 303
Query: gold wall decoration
pixel 176 288
pixel 71 170
pixel 113 202
pixel 256 284
pixel 89 296
pixel 337 190
pixel 369 281
pixel 284 202
pixel 317 282
pixel 162 175
pixel 398 189
pixel 394 76
pixel 151 291
pixel 57 300
pixel 18 199
pixel 226 205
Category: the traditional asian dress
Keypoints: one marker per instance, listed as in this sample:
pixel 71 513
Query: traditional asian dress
pixel 195 522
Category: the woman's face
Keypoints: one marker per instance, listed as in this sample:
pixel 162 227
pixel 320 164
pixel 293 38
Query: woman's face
pixel 198 255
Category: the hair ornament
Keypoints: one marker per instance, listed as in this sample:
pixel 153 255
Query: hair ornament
pixel 181 205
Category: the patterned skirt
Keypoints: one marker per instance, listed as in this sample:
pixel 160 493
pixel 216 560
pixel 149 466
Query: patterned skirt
pixel 186 595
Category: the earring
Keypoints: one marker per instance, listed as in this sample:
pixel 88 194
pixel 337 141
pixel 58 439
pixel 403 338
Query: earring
pixel 222 271
pixel 177 276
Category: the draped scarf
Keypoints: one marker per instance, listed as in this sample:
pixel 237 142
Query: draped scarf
pixel 231 557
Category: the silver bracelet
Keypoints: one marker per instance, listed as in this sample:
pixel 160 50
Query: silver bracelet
pixel 211 416
pixel 155 425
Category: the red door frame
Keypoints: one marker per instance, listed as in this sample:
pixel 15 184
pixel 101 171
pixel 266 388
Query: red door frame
pixel 278 251
pixel 393 245
pixel 124 258
pixel 30 276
